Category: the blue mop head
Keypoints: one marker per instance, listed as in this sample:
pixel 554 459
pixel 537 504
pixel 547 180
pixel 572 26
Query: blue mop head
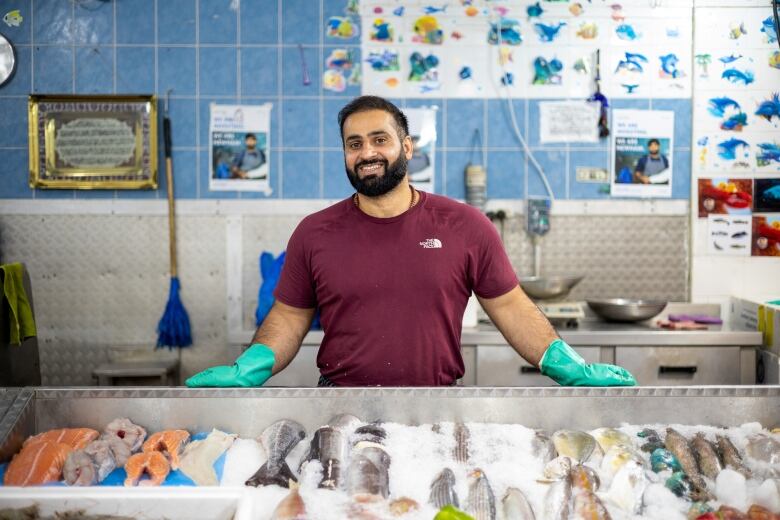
pixel 174 326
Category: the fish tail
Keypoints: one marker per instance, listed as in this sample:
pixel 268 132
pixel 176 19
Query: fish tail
pixel 266 476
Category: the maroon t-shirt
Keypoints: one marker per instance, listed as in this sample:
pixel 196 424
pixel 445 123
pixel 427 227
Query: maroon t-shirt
pixel 392 291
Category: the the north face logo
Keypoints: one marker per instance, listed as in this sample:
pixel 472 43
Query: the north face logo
pixel 431 243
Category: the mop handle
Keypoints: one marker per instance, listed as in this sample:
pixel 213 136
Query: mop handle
pixel 169 178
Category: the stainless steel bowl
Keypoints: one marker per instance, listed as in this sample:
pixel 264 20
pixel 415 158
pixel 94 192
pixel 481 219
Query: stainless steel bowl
pixel 546 287
pixel 621 309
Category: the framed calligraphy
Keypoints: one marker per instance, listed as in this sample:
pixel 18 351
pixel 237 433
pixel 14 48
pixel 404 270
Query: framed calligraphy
pixel 93 142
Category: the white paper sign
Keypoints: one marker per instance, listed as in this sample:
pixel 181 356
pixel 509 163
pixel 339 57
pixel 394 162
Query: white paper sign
pixel 642 146
pixel 239 148
pixel 568 121
pixel 729 235
pixel 422 165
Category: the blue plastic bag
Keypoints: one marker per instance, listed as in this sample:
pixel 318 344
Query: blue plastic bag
pixel 270 269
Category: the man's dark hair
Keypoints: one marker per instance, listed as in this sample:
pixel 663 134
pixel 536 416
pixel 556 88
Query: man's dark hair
pixel 653 140
pixel 247 136
pixel 365 103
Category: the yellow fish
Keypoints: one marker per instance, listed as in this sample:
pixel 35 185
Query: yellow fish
pixel 774 60
pixel 13 18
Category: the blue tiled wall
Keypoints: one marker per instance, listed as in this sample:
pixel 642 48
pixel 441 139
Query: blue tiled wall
pixel 209 53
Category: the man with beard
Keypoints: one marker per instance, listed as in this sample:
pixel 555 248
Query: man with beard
pixel 391 269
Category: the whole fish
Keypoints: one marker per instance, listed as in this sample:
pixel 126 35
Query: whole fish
pixel 515 506
pixel 534 10
pixel 481 503
pixel 706 456
pixel 728 149
pixel 586 504
pixel 443 490
pixel 669 65
pixel 625 31
pixel 653 440
pixel 738 77
pixel 278 440
pixel 729 59
pixel 557 500
pixel 345 422
pixel 628 487
pixel 574 444
pixel 731 457
pixel 542 447
pixel 608 437
pixel 461 450
pixel 291 507
pixel 333 449
pixel 768 28
pixel 681 449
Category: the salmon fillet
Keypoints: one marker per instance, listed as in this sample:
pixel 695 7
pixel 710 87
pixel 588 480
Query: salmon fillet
pixel 38 463
pixel 153 463
pixel 169 442
pixel 76 438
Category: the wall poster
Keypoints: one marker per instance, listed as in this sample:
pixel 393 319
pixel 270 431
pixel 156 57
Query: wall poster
pixel 642 159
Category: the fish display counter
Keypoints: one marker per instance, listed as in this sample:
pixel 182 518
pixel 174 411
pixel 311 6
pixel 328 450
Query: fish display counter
pixel 514 453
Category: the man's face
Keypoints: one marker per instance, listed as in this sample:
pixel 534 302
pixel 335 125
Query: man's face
pixel 653 148
pixel 251 142
pixel 374 156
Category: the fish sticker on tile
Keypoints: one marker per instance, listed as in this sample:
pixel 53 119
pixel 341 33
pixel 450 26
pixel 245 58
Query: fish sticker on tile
pixel 384 60
pixel 768 154
pixel 669 68
pixel 729 59
pixel 340 66
pixel 770 108
pixel 432 9
pixel 774 60
pixel 672 31
pixel 508 79
pixel 738 77
pixel 576 9
pixel 352 7
pixel 381 31
pixel 13 18
pixel 733 148
pixel 588 31
pixel 582 65
pixel 703 61
pixel 398 11
pixel 471 11
pixel 737 30
pixel 630 88
pixel 626 31
pixel 505 55
pixel 548 33
pixel 632 63
pixel 342 27
pixel 334 80
pixel 735 120
pixel 465 73
pixel 769 30
pixel 427 30
pixel 718 106
pixel 510 32
pixel 617 12
pixel 547 72
pixel 702 144
pixel 534 10
pixel 424 70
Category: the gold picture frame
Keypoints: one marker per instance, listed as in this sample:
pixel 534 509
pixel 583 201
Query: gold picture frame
pixel 93 142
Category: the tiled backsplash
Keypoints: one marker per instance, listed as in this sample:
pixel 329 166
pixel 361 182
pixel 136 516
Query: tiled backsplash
pixel 102 280
pixel 218 51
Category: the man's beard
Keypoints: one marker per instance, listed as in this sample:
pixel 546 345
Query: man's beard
pixel 377 185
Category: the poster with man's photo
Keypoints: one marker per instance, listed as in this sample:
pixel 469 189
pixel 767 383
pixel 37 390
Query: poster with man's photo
pixel 642 146
pixel 239 148
pixel 422 165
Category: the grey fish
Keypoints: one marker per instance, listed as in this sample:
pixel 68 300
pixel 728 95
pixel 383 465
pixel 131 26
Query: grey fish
pixel 681 449
pixel 481 503
pixel 542 447
pixel 461 451
pixel 557 500
pixel 706 456
pixel 79 469
pixel 372 432
pixel 345 422
pixel 368 475
pixel 443 490
pixel 278 440
pixel 730 455
pixel 515 506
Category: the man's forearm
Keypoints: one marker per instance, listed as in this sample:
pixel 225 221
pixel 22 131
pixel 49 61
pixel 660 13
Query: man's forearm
pixel 521 323
pixel 283 331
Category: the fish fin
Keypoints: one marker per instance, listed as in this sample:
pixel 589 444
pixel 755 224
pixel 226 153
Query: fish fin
pixel 265 476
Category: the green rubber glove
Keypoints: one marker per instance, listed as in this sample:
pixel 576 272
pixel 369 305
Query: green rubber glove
pixel 567 368
pixel 452 513
pixel 252 368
